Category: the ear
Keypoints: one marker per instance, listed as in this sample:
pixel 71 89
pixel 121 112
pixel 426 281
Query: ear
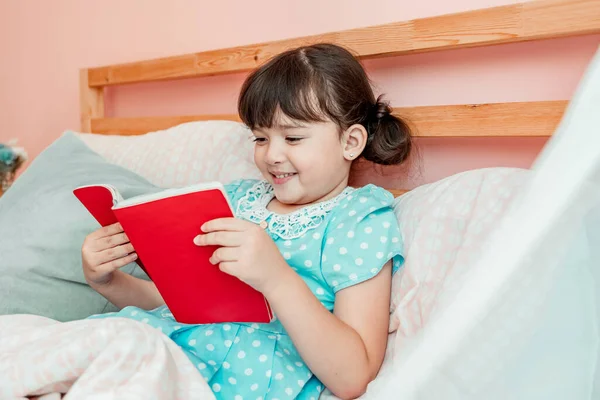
pixel 354 140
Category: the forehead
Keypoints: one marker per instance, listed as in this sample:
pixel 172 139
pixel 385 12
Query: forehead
pixel 280 120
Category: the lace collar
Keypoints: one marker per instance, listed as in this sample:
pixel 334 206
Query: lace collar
pixel 253 207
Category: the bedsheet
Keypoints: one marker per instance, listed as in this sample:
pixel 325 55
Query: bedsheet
pixel 93 359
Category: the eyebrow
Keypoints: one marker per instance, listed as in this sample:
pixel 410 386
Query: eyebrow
pixel 282 126
pixel 290 126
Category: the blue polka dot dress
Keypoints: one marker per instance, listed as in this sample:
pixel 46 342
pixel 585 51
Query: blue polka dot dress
pixel 332 245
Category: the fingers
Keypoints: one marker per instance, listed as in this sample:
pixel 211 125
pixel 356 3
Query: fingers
pixel 228 267
pixel 221 238
pixel 113 265
pixel 112 241
pixel 95 245
pixel 108 230
pixel 224 254
pixel 114 253
pixel 225 224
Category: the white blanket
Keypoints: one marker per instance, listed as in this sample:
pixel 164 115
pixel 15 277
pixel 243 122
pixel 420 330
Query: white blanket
pixel 93 359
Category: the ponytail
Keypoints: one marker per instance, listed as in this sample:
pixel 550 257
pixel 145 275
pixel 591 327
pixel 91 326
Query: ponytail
pixel 389 141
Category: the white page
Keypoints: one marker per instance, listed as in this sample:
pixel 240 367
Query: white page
pixel 146 198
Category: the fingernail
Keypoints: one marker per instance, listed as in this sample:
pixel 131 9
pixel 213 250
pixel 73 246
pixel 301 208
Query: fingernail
pixel 202 227
pixel 134 256
pixel 197 241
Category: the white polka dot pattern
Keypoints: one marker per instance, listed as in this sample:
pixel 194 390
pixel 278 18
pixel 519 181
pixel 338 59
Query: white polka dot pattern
pixel 259 360
pixel 361 240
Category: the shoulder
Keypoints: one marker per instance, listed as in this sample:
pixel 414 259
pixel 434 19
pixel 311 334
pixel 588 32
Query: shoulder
pixel 362 235
pixel 365 212
pixel 362 202
pixel 374 193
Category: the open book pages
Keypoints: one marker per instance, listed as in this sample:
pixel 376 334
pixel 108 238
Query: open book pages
pixel 116 195
pixel 172 192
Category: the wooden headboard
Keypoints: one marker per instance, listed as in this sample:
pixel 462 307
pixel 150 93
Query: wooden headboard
pixel 535 20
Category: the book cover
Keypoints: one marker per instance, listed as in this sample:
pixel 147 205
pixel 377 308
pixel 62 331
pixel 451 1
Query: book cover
pixel 161 227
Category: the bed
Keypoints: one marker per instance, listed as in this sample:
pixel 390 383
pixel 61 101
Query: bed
pixel 468 319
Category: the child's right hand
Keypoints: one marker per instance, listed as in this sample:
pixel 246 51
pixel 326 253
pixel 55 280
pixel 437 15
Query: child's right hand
pixel 103 252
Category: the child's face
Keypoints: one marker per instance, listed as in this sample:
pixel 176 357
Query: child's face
pixel 303 161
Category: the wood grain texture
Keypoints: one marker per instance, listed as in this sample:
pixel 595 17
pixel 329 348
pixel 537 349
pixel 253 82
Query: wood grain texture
pixel 544 19
pixel 142 125
pixel 91 102
pixel 505 24
pixel 526 119
pixel 520 119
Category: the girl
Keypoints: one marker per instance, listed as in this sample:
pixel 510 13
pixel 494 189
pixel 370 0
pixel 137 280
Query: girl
pixel 321 252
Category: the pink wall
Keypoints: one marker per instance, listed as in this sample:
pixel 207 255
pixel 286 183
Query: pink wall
pixel 43 44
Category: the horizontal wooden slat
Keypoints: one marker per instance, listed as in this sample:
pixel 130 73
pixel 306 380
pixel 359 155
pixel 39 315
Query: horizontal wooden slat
pixel 142 125
pixel 552 18
pixel 397 192
pixel 505 24
pixel 526 119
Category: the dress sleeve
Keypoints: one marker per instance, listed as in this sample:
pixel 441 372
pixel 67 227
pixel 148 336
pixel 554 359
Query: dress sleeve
pixel 361 238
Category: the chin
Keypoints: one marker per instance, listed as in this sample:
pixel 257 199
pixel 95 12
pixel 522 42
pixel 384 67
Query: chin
pixel 285 197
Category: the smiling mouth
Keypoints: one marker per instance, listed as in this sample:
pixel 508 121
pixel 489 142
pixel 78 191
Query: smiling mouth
pixel 280 179
pixel 283 176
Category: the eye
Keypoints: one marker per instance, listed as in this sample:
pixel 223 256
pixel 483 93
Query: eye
pixel 294 139
pixel 259 140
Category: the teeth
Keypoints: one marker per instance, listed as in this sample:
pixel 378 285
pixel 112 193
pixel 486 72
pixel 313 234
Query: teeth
pixel 283 176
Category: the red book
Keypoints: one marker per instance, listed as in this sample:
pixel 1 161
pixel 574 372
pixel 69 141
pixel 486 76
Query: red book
pixel 161 227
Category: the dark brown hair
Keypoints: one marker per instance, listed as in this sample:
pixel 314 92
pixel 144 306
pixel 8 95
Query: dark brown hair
pixel 319 82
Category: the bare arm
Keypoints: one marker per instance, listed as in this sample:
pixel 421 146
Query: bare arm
pixel 125 290
pixel 344 349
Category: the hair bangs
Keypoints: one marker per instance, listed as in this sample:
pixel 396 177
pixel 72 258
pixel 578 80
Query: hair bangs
pixel 283 87
pixel 324 82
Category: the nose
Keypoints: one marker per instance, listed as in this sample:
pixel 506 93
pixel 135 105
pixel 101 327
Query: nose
pixel 275 153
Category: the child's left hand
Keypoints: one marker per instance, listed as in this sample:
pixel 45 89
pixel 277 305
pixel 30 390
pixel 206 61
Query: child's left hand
pixel 247 252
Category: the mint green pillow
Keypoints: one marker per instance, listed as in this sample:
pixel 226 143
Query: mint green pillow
pixel 42 228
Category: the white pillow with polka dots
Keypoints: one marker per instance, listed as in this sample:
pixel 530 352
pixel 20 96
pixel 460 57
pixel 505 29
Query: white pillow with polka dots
pixel 444 226
pixel 184 154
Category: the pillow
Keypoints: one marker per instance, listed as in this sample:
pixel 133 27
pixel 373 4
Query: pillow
pixel 43 228
pixel 184 154
pixel 445 225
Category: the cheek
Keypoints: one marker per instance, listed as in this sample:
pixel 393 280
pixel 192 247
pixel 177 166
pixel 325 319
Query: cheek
pixel 316 160
pixel 258 155
pixel 329 153
pixel 306 160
